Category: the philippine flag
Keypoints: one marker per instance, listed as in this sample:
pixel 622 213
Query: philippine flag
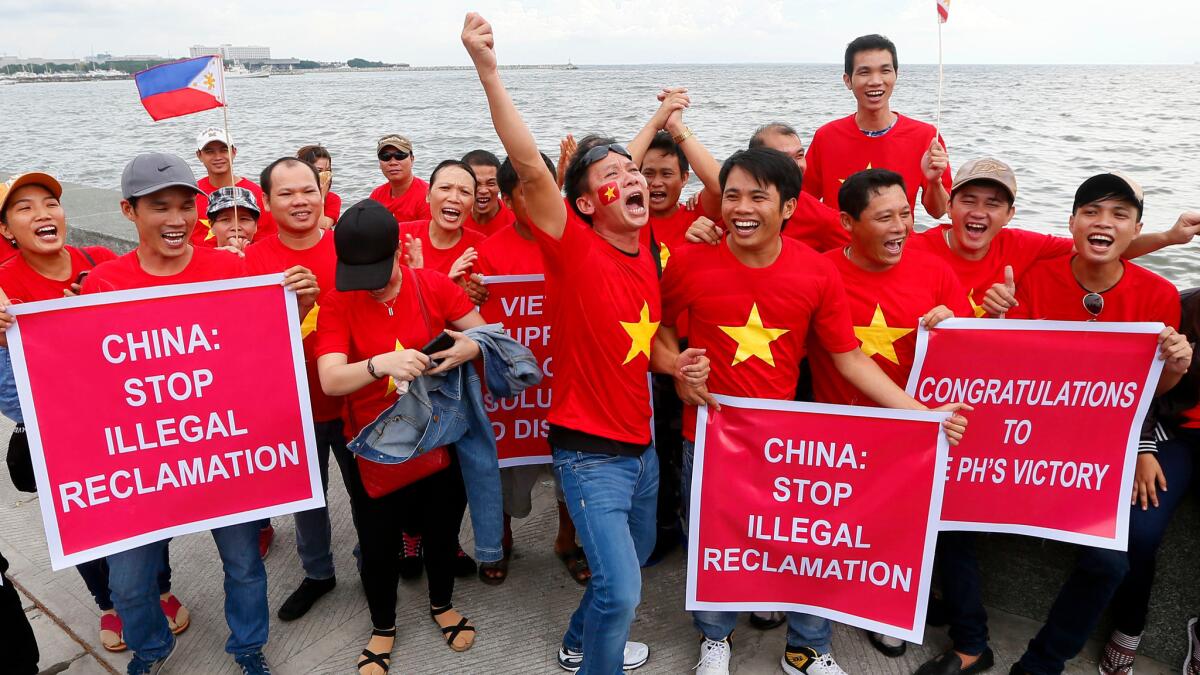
pixel 182 87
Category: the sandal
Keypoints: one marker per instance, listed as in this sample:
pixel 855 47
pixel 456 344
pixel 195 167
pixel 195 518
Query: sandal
pixel 494 573
pixel 370 658
pixel 178 617
pixel 577 565
pixel 111 623
pixel 451 633
pixel 767 620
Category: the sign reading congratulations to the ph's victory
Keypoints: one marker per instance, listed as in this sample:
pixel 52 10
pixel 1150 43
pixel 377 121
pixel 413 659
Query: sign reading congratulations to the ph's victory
pixel 162 411
pixel 1052 440
pixel 519 302
pixel 821 509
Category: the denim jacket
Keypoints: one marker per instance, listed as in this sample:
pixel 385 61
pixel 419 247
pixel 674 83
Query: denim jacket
pixel 10 404
pixel 448 409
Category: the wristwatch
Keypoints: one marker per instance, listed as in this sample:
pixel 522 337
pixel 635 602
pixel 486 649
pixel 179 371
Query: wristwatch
pixel 371 368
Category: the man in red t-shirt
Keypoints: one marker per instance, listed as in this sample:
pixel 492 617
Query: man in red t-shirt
pixel 754 302
pixel 159 198
pixel 979 244
pixel 603 299
pixel 1093 283
pixel 293 194
pixel 403 194
pixel 875 137
pixel 489 214
pixel 216 153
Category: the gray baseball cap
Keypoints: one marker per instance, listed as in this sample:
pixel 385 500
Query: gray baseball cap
pixel 229 197
pixel 153 171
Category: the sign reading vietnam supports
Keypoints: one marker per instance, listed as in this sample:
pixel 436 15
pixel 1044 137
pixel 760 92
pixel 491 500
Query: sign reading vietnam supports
pixel 519 302
pixel 821 509
pixel 1058 409
pixel 157 412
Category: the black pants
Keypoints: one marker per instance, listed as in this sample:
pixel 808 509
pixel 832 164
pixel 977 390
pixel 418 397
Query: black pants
pixel 95 577
pixel 20 647
pixel 668 443
pixel 433 507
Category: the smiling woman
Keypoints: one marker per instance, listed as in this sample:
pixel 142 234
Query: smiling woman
pixel 444 239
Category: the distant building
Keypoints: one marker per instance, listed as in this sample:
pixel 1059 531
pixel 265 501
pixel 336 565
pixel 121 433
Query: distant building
pixel 17 61
pixel 232 53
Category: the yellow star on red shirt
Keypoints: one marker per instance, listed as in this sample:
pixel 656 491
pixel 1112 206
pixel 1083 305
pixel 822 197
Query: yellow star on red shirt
pixel 391 388
pixel 843 180
pixel 879 338
pixel 310 322
pixel 641 333
pixel 210 234
pixel 978 309
pixel 753 339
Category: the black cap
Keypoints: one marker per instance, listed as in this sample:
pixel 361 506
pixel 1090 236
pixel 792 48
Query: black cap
pixel 366 238
pixel 1106 184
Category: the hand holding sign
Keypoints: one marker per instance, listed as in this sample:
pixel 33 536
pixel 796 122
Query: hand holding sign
pixel 303 282
pixel 6 319
pixel 1001 297
pixel 956 425
pixel 476 288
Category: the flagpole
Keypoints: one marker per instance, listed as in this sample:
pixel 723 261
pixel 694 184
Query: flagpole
pixel 225 114
pixel 937 127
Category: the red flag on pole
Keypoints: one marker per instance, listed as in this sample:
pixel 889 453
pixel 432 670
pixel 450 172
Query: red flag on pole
pixel 943 10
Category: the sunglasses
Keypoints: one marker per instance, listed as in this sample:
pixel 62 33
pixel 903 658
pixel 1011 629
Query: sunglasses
pixel 397 155
pixel 1094 304
pixel 600 152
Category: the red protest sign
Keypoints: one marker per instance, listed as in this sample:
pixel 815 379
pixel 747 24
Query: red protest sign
pixel 519 302
pixel 157 412
pixel 1058 408
pixel 821 509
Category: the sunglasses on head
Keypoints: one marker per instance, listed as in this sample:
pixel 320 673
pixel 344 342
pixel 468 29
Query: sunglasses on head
pixel 1094 304
pixel 397 155
pixel 601 151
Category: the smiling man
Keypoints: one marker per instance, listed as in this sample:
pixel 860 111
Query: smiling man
pixel 603 300
pixel 875 137
pixel 489 214
pixel 216 153
pixel 403 194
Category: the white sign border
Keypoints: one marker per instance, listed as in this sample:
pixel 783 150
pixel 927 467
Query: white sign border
pixel 59 560
pixel 914 633
pixel 1120 540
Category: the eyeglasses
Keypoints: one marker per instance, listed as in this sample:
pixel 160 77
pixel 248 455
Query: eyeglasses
pixel 1094 304
pixel 397 155
pixel 600 152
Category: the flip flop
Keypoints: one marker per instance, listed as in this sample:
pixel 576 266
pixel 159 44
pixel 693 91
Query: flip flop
pixel 174 610
pixel 577 565
pixel 111 623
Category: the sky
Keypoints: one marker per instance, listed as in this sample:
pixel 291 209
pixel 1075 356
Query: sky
pixel 426 32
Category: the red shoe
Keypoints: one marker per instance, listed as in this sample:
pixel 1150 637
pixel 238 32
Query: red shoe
pixel 178 617
pixel 265 537
pixel 112 624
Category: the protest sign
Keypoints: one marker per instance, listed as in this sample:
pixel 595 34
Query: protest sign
pixel 519 302
pixel 157 412
pixel 822 509
pixel 1052 441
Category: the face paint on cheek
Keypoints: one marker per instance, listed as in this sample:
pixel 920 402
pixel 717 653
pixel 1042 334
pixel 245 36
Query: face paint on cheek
pixel 609 193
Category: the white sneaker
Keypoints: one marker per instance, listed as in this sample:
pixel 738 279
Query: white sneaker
pixel 636 655
pixel 806 661
pixel 714 657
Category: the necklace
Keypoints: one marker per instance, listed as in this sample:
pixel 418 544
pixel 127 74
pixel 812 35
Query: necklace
pixel 390 304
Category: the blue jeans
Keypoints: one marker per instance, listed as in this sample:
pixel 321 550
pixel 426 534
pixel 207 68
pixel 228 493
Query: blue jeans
pixel 612 501
pixel 132 578
pixel 313 534
pixel 804 630
pixel 1177 459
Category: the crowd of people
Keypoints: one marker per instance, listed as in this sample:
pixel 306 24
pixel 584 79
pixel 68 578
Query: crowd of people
pixel 793 273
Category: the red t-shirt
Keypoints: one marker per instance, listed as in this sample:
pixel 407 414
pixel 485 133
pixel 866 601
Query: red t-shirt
pixel 409 206
pixel 268 256
pixel 839 149
pixel 1049 291
pixel 126 271
pixel 503 218
pixel 440 259
pixel 203 235
pixel 605 307
pixel 816 224
pixel 355 324
pixel 1010 246
pixel 7 251
pixel 333 206
pixel 885 308
pixel 507 252
pixel 670 231
pixel 22 283
pixel 755 323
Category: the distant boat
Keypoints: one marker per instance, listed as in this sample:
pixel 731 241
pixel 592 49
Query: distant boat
pixel 571 66
pixel 239 72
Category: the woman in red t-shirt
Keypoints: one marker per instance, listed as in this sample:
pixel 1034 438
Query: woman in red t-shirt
pixel 319 157
pixel 447 246
pixel 32 218
pixel 369 334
